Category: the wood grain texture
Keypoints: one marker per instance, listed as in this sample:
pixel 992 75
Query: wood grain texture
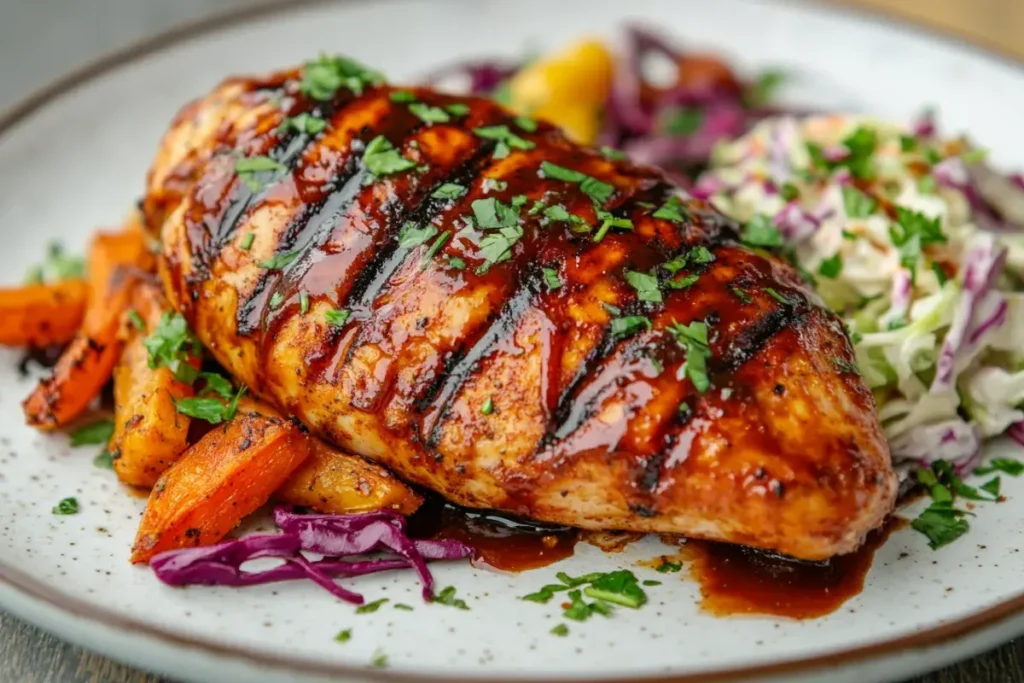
pixel 46 37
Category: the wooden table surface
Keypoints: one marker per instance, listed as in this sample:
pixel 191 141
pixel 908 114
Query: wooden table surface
pixel 46 37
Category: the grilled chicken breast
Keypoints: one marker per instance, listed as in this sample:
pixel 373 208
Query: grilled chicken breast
pixel 509 319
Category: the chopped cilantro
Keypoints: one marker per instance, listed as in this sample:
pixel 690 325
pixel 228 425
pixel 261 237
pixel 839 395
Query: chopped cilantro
pixel 912 231
pixel 412 235
pixel 488 407
pixel 276 300
pixel 370 607
pixel 760 232
pixel 344 636
pixel 447 597
pixel 323 77
pixel 209 409
pixel 68 506
pixel 1009 466
pixel 672 210
pixel 618 587
pixel 304 123
pixel 93 434
pixel 560 630
pixel 497 246
pixel 402 606
pixel 789 192
pixel 217 384
pixel 429 114
pixel 247 241
pixel 545 593
pixel 666 567
pixel 381 158
pixel 908 143
pixel 613 154
pixel 136 320
pixel 831 267
pixel 303 302
pixel 778 297
pixel 279 261
pixel 172 345
pixel 402 96
pixel 504 136
pixel 337 317
pixel 455 263
pixel 248 167
pixel 682 121
pixel 682 283
pixel 645 285
pixel 435 247
pixel 104 460
pixel 457 109
pixel 597 190
pixel 856 203
pixel 762 91
pixel 526 123
pixel 628 326
pixel 551 279
pixel 494 213
pixel 741 295
pixel 694 339
pixel 609 221
pixel 449 191
pixel 380 660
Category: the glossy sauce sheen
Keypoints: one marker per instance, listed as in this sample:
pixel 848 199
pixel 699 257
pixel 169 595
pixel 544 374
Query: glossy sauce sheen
pixel 497 541
pixel 586 427
pixel 739 580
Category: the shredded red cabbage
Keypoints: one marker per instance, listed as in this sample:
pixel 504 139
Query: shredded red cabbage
pixel 334 536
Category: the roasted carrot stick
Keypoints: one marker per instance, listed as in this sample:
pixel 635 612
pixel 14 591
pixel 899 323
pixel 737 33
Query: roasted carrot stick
pixel 228 474
pixel 41 315
pixel 149 433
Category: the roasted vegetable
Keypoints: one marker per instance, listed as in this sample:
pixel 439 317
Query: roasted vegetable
pixel 334 482
pixel 117 262
pixel 41 315
pixel 228 474
pixel 149 434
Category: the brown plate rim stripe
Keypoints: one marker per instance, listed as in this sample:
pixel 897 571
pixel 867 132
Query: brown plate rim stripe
pixel 30 587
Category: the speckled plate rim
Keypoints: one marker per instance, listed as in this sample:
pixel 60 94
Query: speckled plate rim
pixel 153 647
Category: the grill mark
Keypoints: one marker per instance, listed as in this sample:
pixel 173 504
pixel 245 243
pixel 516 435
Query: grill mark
pixel 376 275
pixel 287 152
pixel 752 339
pixel 502 324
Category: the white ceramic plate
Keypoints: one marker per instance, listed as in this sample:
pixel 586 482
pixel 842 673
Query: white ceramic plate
pixel 74 159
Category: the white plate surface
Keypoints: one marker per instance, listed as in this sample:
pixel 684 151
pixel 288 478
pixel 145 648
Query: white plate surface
pixel 78 162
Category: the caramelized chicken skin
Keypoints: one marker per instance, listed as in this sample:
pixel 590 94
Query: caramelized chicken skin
pixel 450 297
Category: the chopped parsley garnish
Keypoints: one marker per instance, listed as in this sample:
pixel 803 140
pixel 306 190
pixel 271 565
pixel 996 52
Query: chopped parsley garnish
pixel 941 522
pixel 646 286
pixel 68 506
pixel 1009 466
pixel 651 582
pixel 488 407
pixel 217 384
pixel 381 158
pixel 380 660
pixel 666 567
pixel 789 192
pixel 429 114
pixel 279 261
pixel 560 630
pixel 618 587
pixel 402 96
pixel 210 409
pixel 778 297
pixel 672 210
pixel 93 434
pixel 682 121
pixel 303 302
pixel 412 235
pixel 494 213
pixel 605 588
pixel 457 109
pixel 857 204
pixel 831 267
pixel 519 199
pixel 247 241
pixel 526 123
pixel 860 146
pixel 700 254
pixel 598 191
pixel 304 123
pixel 551 279
pixel 912 231
pixel 172 345
pixel 455 263
pixel 557 212
pixel 546 592
pixel 759 232
pixel 694 339
pixel 337 317
pixel 248 167
pixel 449 191
pixel 402 606
pixel 682 283
pixel 628 326
pixel 322 78
pixel 370 607
pixel 276 299
pixel 908 143
pixel 494 184
pixel 609 221
pixel 505 138
pixel 613 154
pixel 57 266
pixel 344 636
pixel 580 610
pixel 496 247
pixel 436 247
pixel 103 460
pixel 741 295
pixel 447 597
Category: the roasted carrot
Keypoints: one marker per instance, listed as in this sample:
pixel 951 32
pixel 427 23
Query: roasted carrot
pixel 334 482
pixel 228 474
pixel 116 262
pixel 41 315
pixel 149 433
